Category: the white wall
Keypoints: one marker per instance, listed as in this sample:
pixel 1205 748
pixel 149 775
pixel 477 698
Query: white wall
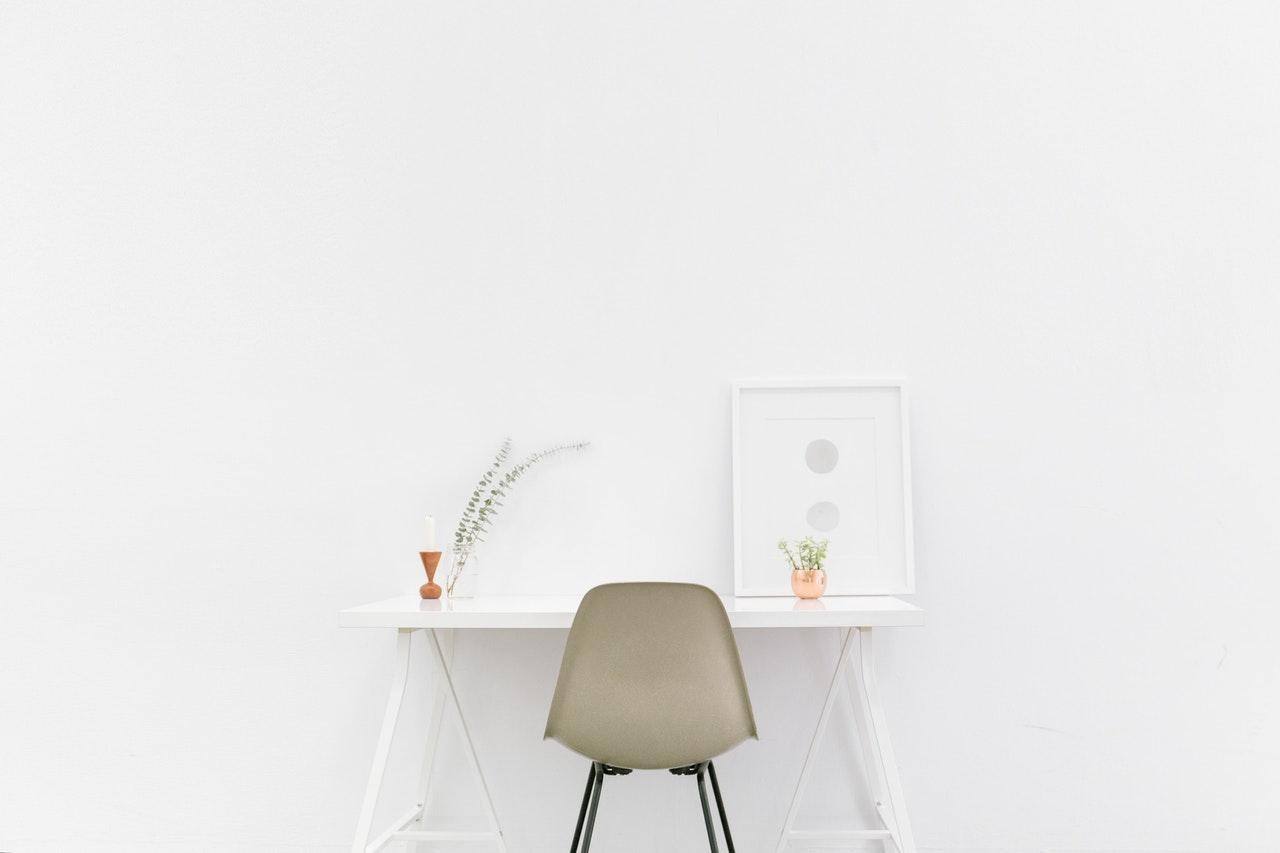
pixel 276 278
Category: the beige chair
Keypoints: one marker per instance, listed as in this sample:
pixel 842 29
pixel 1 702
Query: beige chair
pixel 650 680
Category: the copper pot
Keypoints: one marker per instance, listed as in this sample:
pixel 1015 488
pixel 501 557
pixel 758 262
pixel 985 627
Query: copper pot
pixel 808 583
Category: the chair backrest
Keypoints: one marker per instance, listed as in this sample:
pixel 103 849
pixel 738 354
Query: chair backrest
pixel 651 678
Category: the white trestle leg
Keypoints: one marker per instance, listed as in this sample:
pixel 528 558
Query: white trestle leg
pixel 432 741
pixel 469 746
pixel 869 690
pixel 445 697
pixel 872 767
pixel 399 679
pixel 877 753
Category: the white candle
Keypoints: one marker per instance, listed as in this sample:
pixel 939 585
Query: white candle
pixel 429 534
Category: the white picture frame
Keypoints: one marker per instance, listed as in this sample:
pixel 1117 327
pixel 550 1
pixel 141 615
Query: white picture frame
pixel 789 437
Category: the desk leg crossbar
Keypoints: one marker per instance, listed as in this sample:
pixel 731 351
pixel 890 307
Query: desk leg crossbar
pixel 877 754
pixel 445 695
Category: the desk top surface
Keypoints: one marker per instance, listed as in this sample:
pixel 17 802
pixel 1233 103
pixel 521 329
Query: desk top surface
pixel 556 611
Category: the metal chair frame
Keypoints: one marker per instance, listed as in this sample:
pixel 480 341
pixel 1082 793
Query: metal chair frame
pixel 595 784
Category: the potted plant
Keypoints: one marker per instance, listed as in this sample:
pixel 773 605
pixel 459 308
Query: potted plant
pixel 806 557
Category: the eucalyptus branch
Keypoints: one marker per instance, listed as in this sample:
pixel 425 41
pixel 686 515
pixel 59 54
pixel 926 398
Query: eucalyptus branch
pixel 468 519
pixel 485 501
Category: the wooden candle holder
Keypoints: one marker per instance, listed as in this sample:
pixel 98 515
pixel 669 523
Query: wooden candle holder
pixel 430 562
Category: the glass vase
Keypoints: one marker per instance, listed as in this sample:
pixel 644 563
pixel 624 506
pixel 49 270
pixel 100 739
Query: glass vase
pixel 464 572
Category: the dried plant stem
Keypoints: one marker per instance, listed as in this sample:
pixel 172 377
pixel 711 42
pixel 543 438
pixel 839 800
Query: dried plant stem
pixel 486 499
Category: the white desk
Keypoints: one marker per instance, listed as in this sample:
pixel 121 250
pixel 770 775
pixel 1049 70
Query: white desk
pixel 854 616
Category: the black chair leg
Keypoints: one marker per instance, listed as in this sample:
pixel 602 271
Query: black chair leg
pixel 706 809
pixel 582 812
pixel 595 803
pixel 724 818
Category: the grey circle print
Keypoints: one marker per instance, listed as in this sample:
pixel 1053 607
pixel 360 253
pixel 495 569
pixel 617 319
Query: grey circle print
pixel 821 456
pixel 823 516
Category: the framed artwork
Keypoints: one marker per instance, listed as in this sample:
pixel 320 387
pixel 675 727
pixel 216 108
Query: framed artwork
pixel 827 458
